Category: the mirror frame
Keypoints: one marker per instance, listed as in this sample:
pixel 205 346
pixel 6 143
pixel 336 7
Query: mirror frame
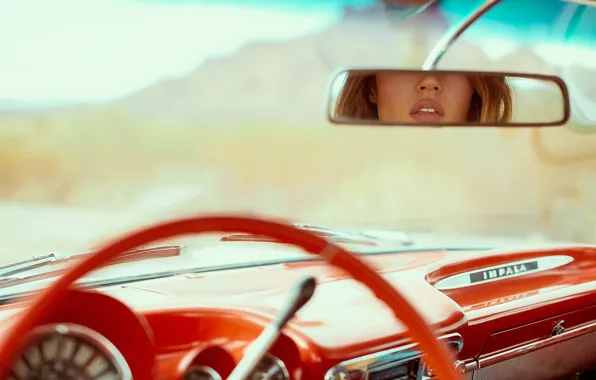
pixel 543 77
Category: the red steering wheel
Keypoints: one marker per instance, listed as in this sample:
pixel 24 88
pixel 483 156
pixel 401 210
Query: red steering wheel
pixel 437 353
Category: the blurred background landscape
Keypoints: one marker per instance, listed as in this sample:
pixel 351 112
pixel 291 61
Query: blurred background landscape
pixel 246 132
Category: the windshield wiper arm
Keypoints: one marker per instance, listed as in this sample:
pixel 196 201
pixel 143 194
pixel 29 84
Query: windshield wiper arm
pixel 32 263
pixel 9 273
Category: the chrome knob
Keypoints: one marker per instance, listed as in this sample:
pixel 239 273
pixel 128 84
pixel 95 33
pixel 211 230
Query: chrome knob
pixel 558 329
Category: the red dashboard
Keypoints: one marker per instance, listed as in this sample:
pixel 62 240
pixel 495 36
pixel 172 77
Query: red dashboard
pixel 528 314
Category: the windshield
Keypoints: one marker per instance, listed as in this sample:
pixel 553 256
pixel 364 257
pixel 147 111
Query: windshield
pixel 117 114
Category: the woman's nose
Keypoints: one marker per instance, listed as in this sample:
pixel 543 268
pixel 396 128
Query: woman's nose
pixel 429 84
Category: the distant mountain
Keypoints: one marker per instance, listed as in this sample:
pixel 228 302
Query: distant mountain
pixel 284 79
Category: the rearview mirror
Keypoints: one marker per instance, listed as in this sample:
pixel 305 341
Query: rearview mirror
pixel 447 98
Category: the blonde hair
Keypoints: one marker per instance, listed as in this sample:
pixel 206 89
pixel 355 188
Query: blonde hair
pixel 491 101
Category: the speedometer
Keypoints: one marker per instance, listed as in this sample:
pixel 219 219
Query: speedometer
pixel 69 352
pixel 270 368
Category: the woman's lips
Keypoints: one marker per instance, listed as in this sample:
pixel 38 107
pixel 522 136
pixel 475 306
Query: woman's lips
pixel 427 110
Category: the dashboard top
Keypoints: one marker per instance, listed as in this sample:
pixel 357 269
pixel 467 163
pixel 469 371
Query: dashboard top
pixel 327 321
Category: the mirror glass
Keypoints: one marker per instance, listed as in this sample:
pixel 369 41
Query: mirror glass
pixel 447 98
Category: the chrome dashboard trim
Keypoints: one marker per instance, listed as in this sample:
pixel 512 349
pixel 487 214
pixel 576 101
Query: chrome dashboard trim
pixel 491 359
pixel 364 364
pixel 18 296
pixel 86 334
pixel 205 369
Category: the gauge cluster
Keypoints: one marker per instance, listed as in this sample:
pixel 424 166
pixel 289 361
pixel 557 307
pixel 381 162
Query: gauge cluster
pixel 69 351
pixel 73 351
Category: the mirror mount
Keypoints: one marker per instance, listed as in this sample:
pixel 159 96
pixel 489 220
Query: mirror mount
pixel 413 7
pixel 453 34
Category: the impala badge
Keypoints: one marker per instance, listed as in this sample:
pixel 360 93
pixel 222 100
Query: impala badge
pixel 504 271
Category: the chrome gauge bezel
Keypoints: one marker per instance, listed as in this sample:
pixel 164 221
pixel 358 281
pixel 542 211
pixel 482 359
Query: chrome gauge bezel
pixel 282 366
pixel 82 333
pixel 214 375
pixel 204 369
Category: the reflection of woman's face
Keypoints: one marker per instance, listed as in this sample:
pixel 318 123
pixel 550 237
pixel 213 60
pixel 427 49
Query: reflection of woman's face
pixel 423 97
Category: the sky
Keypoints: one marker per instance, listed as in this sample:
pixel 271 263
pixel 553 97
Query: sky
pixel 101 49
pixel 97 50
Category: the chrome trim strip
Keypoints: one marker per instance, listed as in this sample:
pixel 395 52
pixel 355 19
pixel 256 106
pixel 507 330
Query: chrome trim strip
pixel 204 369
pixel 84 333
pixel 364 364
pixel 530 347
pixel 18 296
pixel 453 34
